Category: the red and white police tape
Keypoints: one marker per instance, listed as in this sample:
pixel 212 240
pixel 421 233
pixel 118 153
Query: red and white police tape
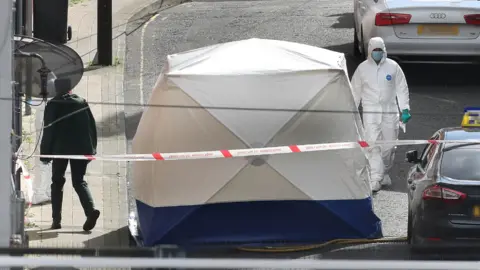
pixel 252 151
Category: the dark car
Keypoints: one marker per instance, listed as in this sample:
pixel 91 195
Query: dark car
pixel 444 191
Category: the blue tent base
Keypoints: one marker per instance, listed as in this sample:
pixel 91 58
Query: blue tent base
pixel 258 223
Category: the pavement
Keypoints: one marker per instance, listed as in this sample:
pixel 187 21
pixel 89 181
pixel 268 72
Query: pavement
pixel 438 93
pixel 102 87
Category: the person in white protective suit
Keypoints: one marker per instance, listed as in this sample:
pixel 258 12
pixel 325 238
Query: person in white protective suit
pixel 378 83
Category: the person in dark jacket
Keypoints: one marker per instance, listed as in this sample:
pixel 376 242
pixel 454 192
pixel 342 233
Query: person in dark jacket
pixel 72 132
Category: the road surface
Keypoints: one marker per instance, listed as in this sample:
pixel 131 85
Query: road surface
pixel 438 92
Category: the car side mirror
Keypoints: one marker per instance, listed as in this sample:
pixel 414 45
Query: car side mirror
pixel 412 156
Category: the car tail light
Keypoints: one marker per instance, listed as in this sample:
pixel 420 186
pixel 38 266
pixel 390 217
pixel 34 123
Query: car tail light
pixel 383 19
pixel 440 193
pixel 434 239
pixel 472 19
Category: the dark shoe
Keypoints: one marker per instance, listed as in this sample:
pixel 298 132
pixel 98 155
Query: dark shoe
pixel 56 226
pixel 91 221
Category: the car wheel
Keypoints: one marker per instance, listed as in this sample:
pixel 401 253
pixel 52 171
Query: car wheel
pixel 409 228
pixel 69 33
pixel 413 245
pixel 356 44
pixel 363 50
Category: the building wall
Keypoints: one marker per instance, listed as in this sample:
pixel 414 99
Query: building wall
pixel 6 41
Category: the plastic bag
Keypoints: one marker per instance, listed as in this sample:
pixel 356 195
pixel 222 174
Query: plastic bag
pixel 43 173
pixel 41 185
pixel 27 181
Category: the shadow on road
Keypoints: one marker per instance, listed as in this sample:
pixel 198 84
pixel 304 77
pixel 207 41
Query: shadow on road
pixel 434 75
pixel 442 76
pixel 107 129
pixel 347 49
pixel 344 21
pixel 116 238
pixel 375 251
pixel 131 124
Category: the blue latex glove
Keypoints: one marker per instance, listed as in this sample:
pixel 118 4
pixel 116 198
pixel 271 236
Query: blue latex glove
pixel 406 116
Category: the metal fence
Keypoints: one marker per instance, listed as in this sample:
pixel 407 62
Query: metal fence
pixel 151 263
pixel 337 256
pixel 19 238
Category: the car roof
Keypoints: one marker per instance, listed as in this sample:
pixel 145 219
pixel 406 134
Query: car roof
pixel 459 133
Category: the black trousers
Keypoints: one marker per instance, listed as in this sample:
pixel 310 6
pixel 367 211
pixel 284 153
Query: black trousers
pixel 78 169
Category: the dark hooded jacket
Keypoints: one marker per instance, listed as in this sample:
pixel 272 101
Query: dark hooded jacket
pixel 73 130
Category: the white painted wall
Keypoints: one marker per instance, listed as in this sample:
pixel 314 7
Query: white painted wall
pixel 5 118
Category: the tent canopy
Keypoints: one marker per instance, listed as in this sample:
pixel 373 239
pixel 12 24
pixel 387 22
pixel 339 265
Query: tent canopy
pixel 252 93
pixel 254 57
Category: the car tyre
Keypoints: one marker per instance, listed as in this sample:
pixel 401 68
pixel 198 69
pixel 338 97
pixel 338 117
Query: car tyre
pixel 356 44
pixel 411 234
pixel 409 227
pixel 364 52
pixel 69 33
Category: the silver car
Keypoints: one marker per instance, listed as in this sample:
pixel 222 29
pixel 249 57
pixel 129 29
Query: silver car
pixel 439 31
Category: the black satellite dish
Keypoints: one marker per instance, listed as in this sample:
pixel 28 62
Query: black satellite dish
pixel 64 63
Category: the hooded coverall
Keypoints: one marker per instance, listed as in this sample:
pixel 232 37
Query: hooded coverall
pixel 378 87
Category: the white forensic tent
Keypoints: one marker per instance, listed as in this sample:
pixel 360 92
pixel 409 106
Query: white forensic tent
pixel 242 94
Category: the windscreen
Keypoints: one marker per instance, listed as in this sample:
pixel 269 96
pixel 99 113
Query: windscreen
pixel 462 163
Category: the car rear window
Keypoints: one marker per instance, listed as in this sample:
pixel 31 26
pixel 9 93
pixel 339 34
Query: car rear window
pixel 461 163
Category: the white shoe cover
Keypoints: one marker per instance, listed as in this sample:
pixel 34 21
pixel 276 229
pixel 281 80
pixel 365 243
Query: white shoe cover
pixel 375 186
pixel 387 181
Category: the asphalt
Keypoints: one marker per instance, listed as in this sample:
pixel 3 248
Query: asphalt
pixel 438 93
